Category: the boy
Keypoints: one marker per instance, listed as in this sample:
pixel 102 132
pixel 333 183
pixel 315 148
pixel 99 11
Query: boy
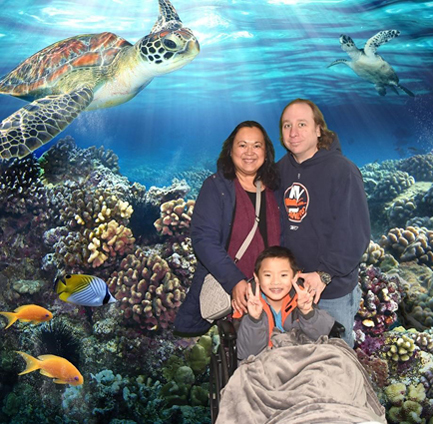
pixel 278 302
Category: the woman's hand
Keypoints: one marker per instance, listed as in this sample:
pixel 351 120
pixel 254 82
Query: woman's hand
pixel 313 284
pixel 240 296
pixel 254 303
pixel 305 299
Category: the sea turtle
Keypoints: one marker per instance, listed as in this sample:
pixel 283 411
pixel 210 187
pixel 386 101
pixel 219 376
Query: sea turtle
pixel 88 72
pixel 369 65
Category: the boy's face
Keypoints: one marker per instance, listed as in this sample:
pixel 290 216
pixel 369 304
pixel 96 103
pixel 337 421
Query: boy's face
pixel 275 278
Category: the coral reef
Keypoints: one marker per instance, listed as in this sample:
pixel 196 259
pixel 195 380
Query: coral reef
pixel 73 211
pixel 66 160
pixel 381 295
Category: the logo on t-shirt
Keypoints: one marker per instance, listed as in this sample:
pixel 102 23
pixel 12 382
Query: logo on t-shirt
pixel 296 201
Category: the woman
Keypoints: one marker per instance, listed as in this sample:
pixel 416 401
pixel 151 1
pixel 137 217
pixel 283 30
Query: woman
pixel 223 216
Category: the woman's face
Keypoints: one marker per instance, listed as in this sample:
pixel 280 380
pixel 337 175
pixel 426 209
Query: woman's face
pixel 248 151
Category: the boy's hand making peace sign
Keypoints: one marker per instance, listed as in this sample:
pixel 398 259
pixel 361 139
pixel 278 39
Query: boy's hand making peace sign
pixel 254 303
pixel 305 298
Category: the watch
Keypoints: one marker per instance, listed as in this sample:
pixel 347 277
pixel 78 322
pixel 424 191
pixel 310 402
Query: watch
pixel 325 277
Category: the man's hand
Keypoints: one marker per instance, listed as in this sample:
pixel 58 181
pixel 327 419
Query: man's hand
pixel 313 284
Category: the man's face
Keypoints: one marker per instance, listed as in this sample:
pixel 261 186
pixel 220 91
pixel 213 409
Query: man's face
pixel 275 279
pixel 300 133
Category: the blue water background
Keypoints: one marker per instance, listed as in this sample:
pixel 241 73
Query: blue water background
pixel 255 57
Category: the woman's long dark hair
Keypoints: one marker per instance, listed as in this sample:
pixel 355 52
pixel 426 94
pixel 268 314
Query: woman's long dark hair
pixel 267 173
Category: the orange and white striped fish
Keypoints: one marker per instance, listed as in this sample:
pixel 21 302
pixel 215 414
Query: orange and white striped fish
pixel 28 313
pixel 63 371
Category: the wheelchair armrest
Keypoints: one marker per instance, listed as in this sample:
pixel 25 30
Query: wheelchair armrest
pixel 337 330
pixel 226 330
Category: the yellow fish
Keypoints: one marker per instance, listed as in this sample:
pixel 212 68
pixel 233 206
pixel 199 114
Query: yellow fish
pixel 53 366
pixel 85 290
pixel 28 313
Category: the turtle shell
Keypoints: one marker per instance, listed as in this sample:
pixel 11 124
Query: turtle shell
pixel 43 70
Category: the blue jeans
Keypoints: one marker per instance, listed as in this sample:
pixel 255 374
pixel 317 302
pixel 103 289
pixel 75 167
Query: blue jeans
pixel 344 309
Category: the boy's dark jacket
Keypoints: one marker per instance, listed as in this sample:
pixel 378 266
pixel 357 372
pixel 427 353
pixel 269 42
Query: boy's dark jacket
pixel 329 226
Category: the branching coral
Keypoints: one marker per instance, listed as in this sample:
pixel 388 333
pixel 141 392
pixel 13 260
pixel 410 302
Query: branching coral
pixel 409 244
pixel 401 349
pixel 407 403
pixel 391 185
pixel 419 166
pixel 78 205
pixel 175 217
pixel 108 241
pixel 147 289
pixel 424 341
pixel 401 210
pixel 373 255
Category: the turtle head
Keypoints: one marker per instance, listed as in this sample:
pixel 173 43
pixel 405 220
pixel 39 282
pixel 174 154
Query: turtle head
pixel 170 45
pixel 168 50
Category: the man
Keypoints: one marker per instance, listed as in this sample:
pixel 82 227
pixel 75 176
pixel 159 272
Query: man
pixel 325 219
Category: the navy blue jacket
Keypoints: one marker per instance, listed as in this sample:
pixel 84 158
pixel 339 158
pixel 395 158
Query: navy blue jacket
pixel 325 218
pixel 210 232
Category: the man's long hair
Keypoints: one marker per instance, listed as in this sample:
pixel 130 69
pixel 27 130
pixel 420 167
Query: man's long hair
pixel 326 136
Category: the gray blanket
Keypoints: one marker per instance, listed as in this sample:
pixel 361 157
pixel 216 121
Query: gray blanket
pixel 300 381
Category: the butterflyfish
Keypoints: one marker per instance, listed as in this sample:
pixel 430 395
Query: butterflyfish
pixel 28 313
pixel 84 290
pixel 63 371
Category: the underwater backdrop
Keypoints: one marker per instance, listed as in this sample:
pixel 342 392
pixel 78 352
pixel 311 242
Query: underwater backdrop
pixel 113 193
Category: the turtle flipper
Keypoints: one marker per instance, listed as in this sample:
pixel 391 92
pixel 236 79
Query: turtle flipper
pixel 167 17
pixel 380 89
pixel 377 40
pixel 408 92
pixel 338 61
pixel 349 47
pixel 40 121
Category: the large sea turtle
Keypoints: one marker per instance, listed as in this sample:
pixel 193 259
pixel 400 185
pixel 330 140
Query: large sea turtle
pixel 369 65
pixel 88 72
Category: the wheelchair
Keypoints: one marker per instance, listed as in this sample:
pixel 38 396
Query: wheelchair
pixel 224 361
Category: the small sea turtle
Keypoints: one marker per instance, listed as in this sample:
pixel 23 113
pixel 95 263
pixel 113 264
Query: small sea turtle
pixel 369 65
pixel 88 72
